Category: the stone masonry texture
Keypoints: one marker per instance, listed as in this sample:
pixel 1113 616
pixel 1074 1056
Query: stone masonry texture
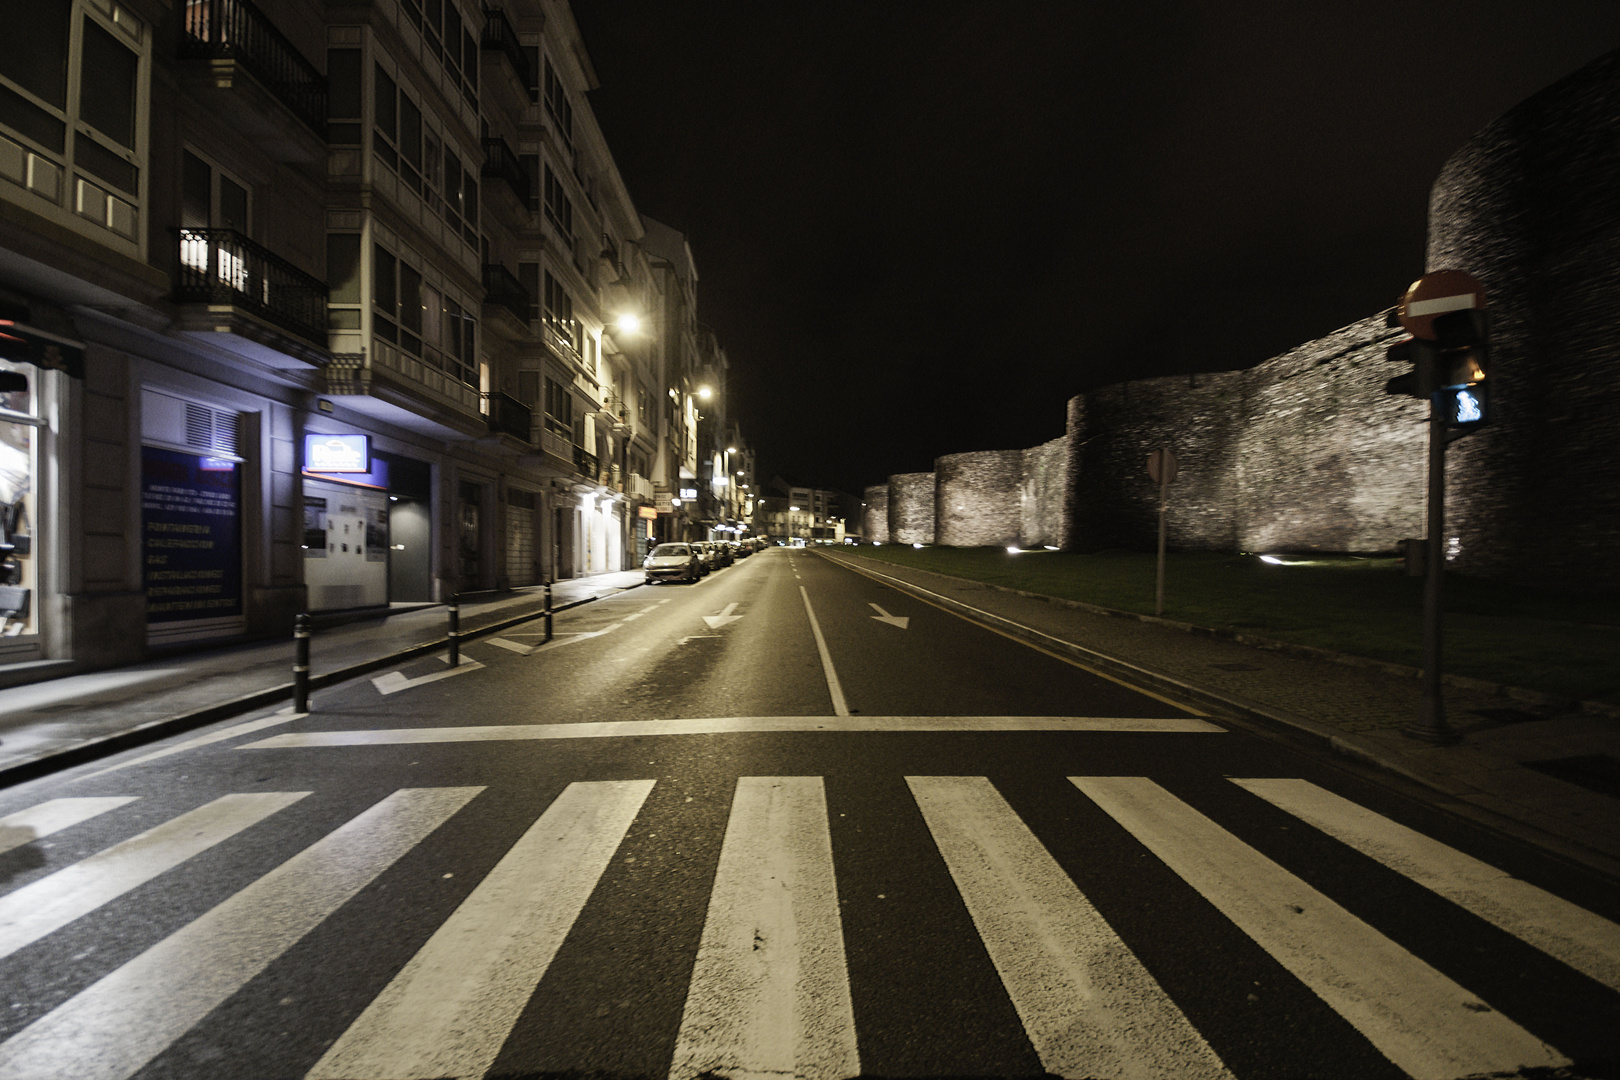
pixel 911 508
pixel 875 514
pixel 1305 451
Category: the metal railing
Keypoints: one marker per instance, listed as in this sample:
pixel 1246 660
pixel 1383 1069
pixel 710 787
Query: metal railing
pixel 500 37
pixel 237 30
pixel 221 266
pixel 510 416
pixel 502 287
pixel 584 462
pixel 501 163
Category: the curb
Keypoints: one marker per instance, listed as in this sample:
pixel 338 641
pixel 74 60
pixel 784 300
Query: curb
pixel 49 762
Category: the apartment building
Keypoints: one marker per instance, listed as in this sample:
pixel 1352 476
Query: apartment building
pixel 316 305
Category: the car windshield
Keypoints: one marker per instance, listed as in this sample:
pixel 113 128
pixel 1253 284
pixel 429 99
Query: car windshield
pixel 664 551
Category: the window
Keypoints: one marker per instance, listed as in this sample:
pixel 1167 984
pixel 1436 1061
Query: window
pixel 72 76
pixel 212 200
pixel 344 108
pixel 557 106
pixel 386 106
pixel 559 409
pixel 558 313
pixel 559 211
pixel 528 388
pixel 384 294
pixel 343 281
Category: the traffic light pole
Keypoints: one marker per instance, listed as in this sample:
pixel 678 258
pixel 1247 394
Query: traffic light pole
pixel 1431 725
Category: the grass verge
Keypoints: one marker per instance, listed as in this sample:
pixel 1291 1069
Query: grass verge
pixel 1563 643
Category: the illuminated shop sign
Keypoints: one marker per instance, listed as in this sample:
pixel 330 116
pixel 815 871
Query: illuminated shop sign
pixel 337 453
pixel 688 493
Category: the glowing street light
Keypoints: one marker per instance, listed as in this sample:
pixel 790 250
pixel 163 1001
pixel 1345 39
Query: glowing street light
pixel 628 323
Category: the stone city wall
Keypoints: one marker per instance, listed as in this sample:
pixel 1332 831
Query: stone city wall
pixel 875 514
pixel 911 508
pixel 977 498
pixel 1305 451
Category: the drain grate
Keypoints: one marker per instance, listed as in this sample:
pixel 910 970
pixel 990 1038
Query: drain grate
pixel 1594 772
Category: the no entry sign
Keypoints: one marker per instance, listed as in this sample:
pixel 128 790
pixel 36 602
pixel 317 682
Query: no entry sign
pixel 1437 294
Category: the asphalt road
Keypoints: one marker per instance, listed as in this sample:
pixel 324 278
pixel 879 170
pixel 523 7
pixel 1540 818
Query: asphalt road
pixel 783 822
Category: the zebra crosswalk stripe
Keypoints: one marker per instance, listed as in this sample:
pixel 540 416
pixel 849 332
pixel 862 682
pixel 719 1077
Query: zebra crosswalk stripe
pixel 54 815
pixel 450 1008
pixel 1586 942
pixel 1420 1019
pixel 770 993
pixel 1088 1005
pixel 74 891
pixel 113 1028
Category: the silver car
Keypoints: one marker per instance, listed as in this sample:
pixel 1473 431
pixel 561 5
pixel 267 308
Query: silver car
pixel 672 562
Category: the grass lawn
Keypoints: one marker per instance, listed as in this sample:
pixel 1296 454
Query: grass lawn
pixel 1560 643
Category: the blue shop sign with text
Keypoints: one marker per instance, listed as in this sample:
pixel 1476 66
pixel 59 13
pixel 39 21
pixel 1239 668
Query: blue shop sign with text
pixel 337 453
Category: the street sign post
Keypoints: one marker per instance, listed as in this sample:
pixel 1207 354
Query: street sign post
pixel 1161 470
pixel 1439 296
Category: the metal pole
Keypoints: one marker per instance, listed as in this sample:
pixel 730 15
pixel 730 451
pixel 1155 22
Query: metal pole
pixel 548 611
pixel 455 629
pixel 1164 482
pixel 301 663
pixel 1431 725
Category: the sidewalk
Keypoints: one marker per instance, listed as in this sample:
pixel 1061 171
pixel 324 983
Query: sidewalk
pixel 45 726
pixel 1548 775
pixel 1523 765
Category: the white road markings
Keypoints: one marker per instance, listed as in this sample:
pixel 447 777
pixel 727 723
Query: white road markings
pixel 274 720
pixel 770 993
pixel 450 1009
pixel 1421 1020
pixel 616 729
pixel 1582 940
pixel 52 902
pixel 724 618
pixel 110 1030
pixel 1088 1005
pixel 840 707
pixel 54 815
pixel 395 681
pixel 769 996
pixel 902 621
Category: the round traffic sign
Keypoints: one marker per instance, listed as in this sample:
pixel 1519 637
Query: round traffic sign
pixel 1162 465
pixel 1436 294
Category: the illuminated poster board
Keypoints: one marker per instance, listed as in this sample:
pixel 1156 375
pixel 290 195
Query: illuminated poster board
pixel 191 544
pixel 337 453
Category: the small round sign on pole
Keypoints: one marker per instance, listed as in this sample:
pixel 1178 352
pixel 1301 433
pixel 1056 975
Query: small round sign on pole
pixel 1437 294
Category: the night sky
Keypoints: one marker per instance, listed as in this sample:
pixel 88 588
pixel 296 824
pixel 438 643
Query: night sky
pixel 921 227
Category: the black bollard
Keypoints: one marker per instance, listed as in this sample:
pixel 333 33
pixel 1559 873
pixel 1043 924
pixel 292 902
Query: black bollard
pixel 455 629
pixel 301 664
pixel 548 611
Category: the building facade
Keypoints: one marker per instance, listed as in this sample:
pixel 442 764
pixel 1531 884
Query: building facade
pixel 314 306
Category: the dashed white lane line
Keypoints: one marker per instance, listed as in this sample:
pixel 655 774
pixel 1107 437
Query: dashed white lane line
pixel 840 706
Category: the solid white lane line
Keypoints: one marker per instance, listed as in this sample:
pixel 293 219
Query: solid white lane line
pixel 26 826
pixel 1088 1005
pixel 282 717
pixel 1586 942
pixel 449 1010
pixel 840 708
pixel 770 990
pixel 110 1030
pixel 617 729
pixel 1420 1019
pixel 52 902
pixel 509 646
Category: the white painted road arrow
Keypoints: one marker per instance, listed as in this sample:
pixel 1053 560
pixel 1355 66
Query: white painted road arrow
pixel 717 621
pixel 902 621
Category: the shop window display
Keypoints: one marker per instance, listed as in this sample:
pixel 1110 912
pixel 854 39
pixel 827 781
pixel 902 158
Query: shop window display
pixel 19 464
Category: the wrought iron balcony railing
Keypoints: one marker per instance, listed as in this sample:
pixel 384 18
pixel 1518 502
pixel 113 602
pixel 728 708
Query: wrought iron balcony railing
pixel 510 416
pixel 500 37
pixel 502 287
pixel 221 266
pixel 501 163
pixel 237 30
pixel 584 462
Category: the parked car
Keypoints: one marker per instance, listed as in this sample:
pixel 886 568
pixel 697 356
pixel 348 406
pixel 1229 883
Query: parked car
pixel 706 560
pixel 723 555
pixel 673 562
